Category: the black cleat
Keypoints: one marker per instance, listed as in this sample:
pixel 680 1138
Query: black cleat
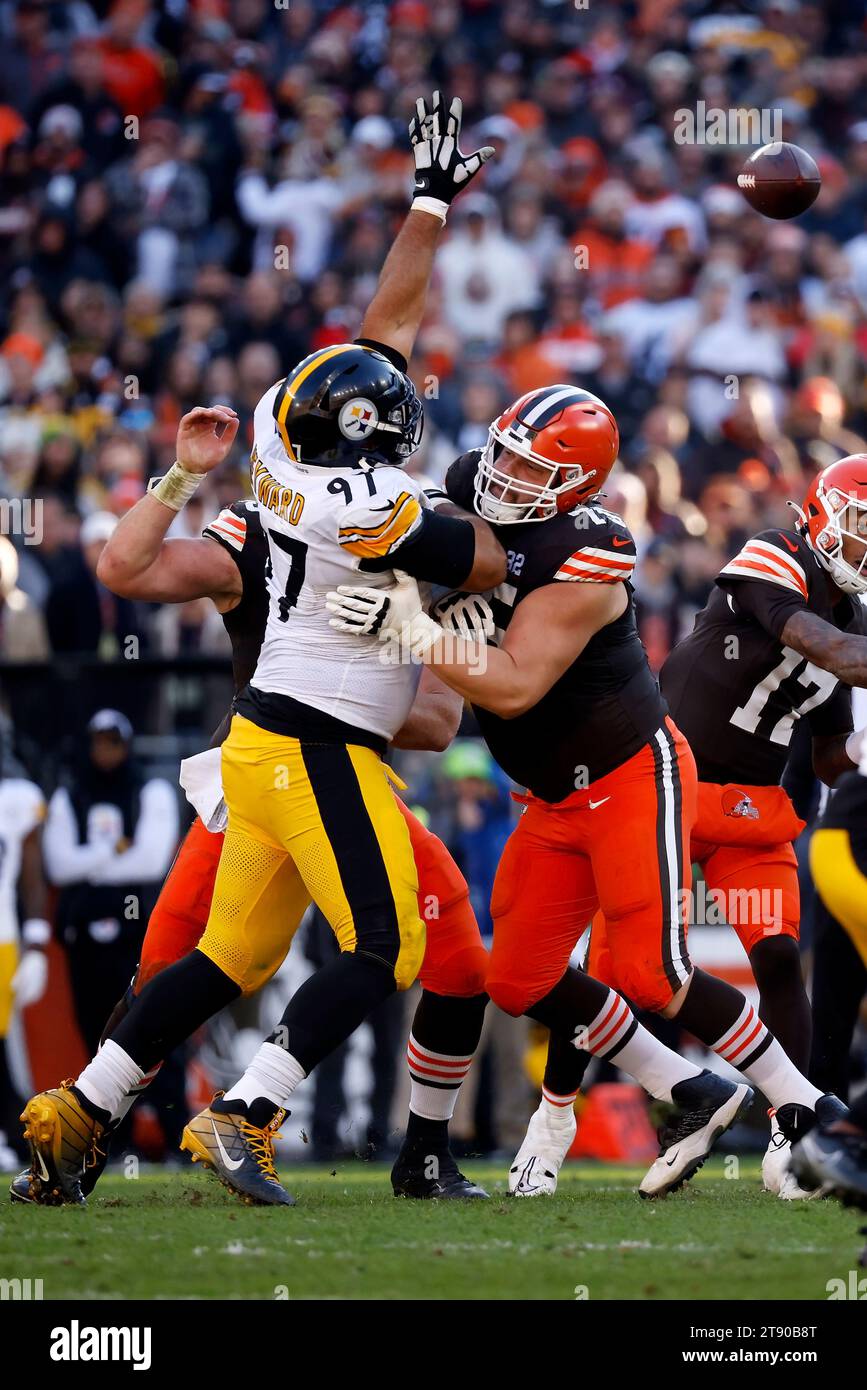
pixel 707 1106
pixel 796 1121
pixel 410 1178
pixel 834 1163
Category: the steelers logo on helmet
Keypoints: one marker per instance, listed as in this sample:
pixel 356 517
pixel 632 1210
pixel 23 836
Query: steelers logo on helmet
pixel 358 418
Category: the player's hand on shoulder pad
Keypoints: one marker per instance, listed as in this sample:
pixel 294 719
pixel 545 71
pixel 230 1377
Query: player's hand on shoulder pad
pixel 441 170
pixel 467 615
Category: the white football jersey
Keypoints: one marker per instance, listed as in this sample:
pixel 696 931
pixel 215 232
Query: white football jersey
pixel 316 542
pixel 21 808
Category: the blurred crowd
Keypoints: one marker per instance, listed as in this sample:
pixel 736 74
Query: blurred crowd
pixel 196 193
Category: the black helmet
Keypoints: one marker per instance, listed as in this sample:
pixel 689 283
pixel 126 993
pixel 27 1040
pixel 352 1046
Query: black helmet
pixel 347 403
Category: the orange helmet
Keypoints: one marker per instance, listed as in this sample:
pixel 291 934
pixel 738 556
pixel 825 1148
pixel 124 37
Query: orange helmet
pixel 834 510
pixel 568 432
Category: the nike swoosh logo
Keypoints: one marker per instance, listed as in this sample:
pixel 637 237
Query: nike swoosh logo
pixel 620 541
pixel 793 548
pixel 594 804
pixel 231 1163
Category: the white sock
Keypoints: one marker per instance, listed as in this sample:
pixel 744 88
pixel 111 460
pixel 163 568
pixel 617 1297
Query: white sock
pixel 273 1073
pixel 615 1034
pixel 132 1096
pixel 557 1109
pixel 756 1053
pixel 107 1080
pixel 435 1080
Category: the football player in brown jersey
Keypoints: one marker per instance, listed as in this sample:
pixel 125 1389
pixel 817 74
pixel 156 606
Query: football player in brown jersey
pixel 570 709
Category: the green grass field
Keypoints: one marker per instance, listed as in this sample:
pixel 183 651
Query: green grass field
pixel 180 1235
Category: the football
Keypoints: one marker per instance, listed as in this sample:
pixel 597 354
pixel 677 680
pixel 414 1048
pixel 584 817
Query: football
pixel 780 180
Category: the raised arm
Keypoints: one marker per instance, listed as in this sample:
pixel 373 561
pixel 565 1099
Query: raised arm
pixel 139 562
pixel 441 172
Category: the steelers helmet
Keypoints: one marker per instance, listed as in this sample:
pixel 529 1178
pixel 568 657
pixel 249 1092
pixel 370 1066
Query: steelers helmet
pixel 347 403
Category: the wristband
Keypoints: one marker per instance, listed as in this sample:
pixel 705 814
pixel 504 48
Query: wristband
pixel 176 488
pixel 36 932
pixel 435 206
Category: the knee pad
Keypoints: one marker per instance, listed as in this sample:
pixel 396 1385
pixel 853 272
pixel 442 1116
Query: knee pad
pixel 512 996
pixel 643 988
pixel 459 976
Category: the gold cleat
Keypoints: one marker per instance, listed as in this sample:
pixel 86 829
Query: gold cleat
pixel 239 1152
pixel 62 1135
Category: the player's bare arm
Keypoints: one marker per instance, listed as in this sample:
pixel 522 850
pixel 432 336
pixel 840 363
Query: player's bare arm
pixel 548 632
pixel 397 308
pixel 31 883
pixel 843 653
pixel 434 719
pixel 139 562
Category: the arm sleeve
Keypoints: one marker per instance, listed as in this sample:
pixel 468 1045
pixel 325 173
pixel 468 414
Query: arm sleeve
pixel 66 860
pixel 441 550
pixel 154 841
pixel 396 358
pixel 770 605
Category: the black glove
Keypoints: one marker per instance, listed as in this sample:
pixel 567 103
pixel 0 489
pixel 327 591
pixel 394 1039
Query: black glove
pixel 441 171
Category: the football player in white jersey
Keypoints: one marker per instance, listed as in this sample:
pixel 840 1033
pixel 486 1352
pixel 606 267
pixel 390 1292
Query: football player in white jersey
pixel 310 810
pixel 23 962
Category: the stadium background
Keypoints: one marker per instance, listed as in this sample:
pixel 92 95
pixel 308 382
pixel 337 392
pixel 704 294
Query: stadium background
pixel 195 195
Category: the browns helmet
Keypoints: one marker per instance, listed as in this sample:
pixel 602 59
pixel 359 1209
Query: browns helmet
pixel 567 432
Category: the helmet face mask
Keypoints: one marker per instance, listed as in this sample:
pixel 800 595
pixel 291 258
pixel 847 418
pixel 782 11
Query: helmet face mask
pixel 834 523
pixel 846 521
pixel 536 501
pixel 568 435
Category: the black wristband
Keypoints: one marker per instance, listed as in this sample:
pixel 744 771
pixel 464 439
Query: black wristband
pixel 442 550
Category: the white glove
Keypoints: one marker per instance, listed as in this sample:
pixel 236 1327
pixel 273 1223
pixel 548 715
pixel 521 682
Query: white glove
pixel 467 615
pixel 31 977
pixel 393 614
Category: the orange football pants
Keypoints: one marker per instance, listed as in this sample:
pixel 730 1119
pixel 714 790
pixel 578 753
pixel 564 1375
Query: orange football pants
pixel 622 845
pixel 742 839
pixel 455 960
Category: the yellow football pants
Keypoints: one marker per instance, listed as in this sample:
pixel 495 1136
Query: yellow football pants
pixel 840 882
pixel 8 966
pixel 310 821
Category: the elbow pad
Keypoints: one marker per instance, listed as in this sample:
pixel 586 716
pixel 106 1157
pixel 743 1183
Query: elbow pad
pixel 442 550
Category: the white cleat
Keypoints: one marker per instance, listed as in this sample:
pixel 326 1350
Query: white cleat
pixel 776 1176
pixel 713 1106
pixel 540 1157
